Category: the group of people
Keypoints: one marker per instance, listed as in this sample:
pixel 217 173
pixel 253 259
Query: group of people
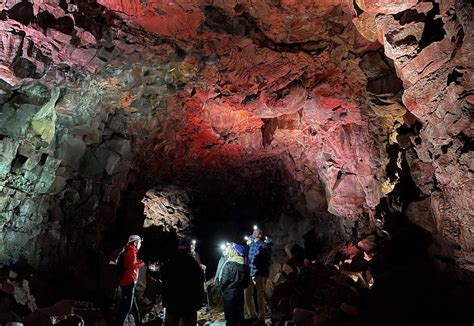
pixel 240 272
pixel 239 275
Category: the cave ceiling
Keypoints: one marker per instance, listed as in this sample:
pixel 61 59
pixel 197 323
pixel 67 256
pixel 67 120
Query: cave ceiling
pixel 98 95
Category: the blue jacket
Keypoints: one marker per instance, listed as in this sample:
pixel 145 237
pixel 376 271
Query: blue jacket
pixel 259 257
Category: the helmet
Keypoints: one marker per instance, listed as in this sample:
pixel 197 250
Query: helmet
pixel 239 249
pixel 133 238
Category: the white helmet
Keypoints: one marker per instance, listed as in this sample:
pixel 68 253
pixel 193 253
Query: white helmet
pixel 134 237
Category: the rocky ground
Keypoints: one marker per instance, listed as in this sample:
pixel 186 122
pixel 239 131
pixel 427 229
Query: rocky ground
pixel 379 279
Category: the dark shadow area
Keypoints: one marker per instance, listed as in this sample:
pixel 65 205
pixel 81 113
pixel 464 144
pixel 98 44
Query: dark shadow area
pixel 224 205
pixel 410 284
pixel 414 277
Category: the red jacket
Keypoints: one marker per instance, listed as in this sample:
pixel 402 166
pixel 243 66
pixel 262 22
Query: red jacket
pixel 131 265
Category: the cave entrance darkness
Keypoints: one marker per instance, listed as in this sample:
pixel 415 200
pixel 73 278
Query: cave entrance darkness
pixel 225 209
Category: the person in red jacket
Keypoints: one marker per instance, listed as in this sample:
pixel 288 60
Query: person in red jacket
pixel 130 276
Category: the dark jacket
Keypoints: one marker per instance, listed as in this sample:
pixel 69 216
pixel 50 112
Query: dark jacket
pixel 183 284
pixel 131 265
pixel 235 275
pixel 259 258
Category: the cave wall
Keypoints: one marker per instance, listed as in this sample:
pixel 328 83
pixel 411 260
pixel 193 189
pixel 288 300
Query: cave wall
pixel 66 125
pixel 431 44
pixel 96 96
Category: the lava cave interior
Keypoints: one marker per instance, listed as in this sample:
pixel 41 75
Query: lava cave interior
pixel 343 127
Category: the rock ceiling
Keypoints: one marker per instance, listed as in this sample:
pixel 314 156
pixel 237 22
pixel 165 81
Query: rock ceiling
pixel 93 94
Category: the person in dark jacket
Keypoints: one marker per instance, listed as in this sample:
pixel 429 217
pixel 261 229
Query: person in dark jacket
pixel 235 279
pixel 259 259
pixel 129 279
pixel 183 288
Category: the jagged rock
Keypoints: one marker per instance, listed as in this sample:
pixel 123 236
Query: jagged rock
pixel 384 6
pixel 367 244
pixel 15 122
pixel 87 97
pixel 167 207
pixel 420 213
pixel 71 149
pixel 9 149
pixel 425 68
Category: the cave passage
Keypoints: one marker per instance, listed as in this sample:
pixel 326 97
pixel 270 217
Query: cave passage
pixel 222 205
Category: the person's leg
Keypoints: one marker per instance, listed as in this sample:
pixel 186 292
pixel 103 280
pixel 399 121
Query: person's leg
pixel 249 303
pixel 125 305
pixel 229 309
pixel 239 308
pixel 189 319
pixel 260 286
pixel 171 319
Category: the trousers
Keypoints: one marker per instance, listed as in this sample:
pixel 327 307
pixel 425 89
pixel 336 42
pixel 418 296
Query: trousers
pixel 234 307
pixel 180 319
pixel 125 305
pixel 258 282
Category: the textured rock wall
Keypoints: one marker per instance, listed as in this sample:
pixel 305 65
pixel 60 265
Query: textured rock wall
pixel 270 87
pixel 431 44
pixel 97 95
pixel 65 134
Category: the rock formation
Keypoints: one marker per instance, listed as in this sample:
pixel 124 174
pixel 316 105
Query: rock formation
pixel 351 98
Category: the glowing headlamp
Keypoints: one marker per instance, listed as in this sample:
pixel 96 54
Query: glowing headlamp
pixel 193 242
pixel 255 227
pixel 246 238
pixel 223 246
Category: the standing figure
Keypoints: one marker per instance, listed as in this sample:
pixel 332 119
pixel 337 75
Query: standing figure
pixel 129 279
pixel 234 280
pixel 196 256
pixel 183 287
pixel 259 259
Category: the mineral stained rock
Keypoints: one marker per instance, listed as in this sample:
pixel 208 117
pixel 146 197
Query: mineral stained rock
pixel 97 95
pixel 431 47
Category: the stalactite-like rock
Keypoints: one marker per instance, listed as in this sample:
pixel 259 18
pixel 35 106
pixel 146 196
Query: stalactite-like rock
pixel 168 208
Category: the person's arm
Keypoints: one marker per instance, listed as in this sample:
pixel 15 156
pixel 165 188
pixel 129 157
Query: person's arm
pixel 198 259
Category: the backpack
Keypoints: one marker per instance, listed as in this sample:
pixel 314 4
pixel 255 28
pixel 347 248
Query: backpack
pixel 118 263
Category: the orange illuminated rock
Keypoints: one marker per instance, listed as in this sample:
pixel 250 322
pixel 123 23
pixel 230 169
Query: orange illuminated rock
pixel 385 6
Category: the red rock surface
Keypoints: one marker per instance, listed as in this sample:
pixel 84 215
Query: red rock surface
pixel 431 46
pixel 385 6
pixel 231 82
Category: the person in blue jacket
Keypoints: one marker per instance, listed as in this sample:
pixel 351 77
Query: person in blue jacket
pixel 259 259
